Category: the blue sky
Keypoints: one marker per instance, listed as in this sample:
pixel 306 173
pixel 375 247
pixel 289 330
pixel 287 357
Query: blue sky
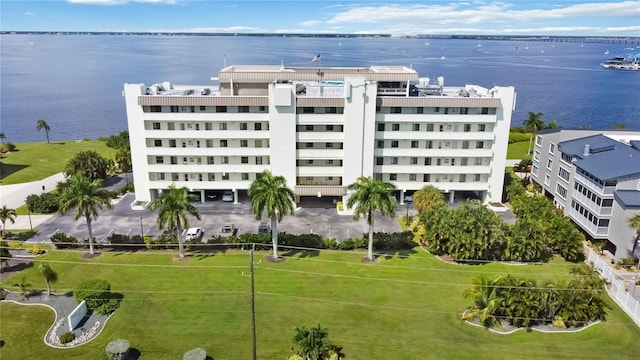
pixel 523 17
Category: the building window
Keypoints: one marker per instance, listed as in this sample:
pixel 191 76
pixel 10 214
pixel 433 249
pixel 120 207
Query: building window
pixel 157 143
pixel 244 160
pixel 538 140
pixel 393 177
pixel 328 127
pixel 244 143
pixel 379 160
pixel 467 127
pixel 222 126
pixel 210 160
pixel 414 144
pixel 224 159
pixel 244 176
pixel 547 179
pixel 225 176
pixel 534 171
pixel 380 126
pixel 429 127
pixel 426 177
pixel 481 127
pixel 155 108
pixel 156 126
pixel 308 145
pixel 257 126
pixel 243 109
pixel 259 160
pixel 394 143
pixel 485 111
pixel 561 191
pixel 536 155
pixel 549 164
pixel 412 177
pixel 607 202
pixel 262 108
pixel 441 128
pixel 427 161
pixel 221 109
pixel 223 143
pixel 330 110
pixel 564 174
pixel 380 144
pixel 328 145
pixel 243 126
pixel 419 110
pixel 478 161
pixel 552 148
pixel 395 127
pixel 476 177
pixel 308 110
pixel 479 144
pixel 464 110
pixel 203 108
pixel 415 127
pixel 428 144
pixel 394 161
pixel 396 110
pixel 174 109
pixel 160 176
pixel 413 161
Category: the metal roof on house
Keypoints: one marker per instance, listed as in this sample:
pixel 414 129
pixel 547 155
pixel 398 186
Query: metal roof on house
pixel 635 144
pixel 628 198
pixel 607 159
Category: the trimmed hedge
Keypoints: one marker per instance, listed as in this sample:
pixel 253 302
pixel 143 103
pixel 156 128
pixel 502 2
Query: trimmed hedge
pixel 97 294
pixel 64 241
pixel 122 242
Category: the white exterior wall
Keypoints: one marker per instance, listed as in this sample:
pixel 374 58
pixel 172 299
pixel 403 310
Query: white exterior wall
pixel 501 142
pixel 359 126
pixel 135 122
pixel 620 233
pixel 282 132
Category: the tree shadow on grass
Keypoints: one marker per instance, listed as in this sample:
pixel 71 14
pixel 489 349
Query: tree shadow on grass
pixel 300 253
pixel 205 253
pixel 8 169
pixel 134 354
pixel 400 254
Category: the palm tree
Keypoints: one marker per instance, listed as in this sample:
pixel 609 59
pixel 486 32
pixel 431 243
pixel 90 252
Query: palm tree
pixel 49 275
pixel 634 222
pixel 428 199
pixel 368 197
pixel 7 214
pixel 43 125
pixel 173 206
pixel 486 299
pixel 270 194
pixel 87 197
pixel 532 124
pixel 314 344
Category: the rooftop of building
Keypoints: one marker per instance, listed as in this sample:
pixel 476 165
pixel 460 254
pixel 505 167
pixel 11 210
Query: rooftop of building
pixel 629 199
pixel 603 157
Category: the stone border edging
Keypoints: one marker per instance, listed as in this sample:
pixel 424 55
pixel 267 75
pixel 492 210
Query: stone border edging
pixel 559 331
pixel 56 323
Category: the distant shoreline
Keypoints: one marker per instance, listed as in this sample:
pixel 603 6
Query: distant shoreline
pixel 552 38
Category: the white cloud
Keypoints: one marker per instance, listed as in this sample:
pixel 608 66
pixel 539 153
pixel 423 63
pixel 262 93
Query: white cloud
pixel 121 2
pixel 479 17
pixel 29 13
pixel 311 23
pixel 230 29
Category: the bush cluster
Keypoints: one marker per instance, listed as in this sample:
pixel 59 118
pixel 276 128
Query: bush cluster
pixel 97 294
pixel 67 337
pixel 518 137
pixel 381 241
pixel 121 242
pixel 510 298
pixel 63 241
pixel 45 203
pixel 7 146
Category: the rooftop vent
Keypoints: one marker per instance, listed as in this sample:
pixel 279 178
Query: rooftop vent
pixel 587 150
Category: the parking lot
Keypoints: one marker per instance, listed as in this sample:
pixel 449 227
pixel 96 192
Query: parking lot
pixel 321 219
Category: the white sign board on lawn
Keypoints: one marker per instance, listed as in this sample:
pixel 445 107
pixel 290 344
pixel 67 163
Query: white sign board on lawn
pixel 77 315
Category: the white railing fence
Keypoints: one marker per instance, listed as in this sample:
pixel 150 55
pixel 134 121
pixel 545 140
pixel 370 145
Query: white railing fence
pixel 617 290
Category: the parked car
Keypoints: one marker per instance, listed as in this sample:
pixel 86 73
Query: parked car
pixel 227 196
pixel 264 228
pixel 193 234
pixel 408 198
pixel 228 230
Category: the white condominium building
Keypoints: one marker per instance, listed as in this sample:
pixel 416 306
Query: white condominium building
pixel 321 128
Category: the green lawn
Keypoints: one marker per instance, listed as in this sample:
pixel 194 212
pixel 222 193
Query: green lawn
pixel 517 150
pixel 38 160
pixel 401 308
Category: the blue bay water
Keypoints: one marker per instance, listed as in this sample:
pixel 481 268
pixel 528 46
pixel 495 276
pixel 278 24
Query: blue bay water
pixel 75 82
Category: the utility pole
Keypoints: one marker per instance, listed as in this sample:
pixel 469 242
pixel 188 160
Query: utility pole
pixel 253 304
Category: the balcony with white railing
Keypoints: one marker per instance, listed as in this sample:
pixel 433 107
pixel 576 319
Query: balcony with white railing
pixel 328 136
pixel 205 151
pixel 594 187
pixel 435 135
pixel 320 119
pixel 587 203
pixel 203 135
pixel 313 154
pixel 444 186
pixel 205 116
pixel 598 232
pixel 199 185
pixel 319 171
pixel 436 118
pixel 431 169
pixel 206 168
pixel 444 152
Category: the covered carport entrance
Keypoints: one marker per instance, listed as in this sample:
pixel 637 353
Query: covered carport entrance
pixel 319 196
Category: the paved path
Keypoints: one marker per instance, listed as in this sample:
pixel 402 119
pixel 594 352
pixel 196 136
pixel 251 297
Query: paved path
pixel 13 196
pixel 511 162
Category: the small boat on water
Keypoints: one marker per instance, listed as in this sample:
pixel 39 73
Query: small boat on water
pixel 623 62
pixel 607 52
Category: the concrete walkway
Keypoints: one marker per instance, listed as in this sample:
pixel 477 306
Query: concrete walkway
pixel 13 196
